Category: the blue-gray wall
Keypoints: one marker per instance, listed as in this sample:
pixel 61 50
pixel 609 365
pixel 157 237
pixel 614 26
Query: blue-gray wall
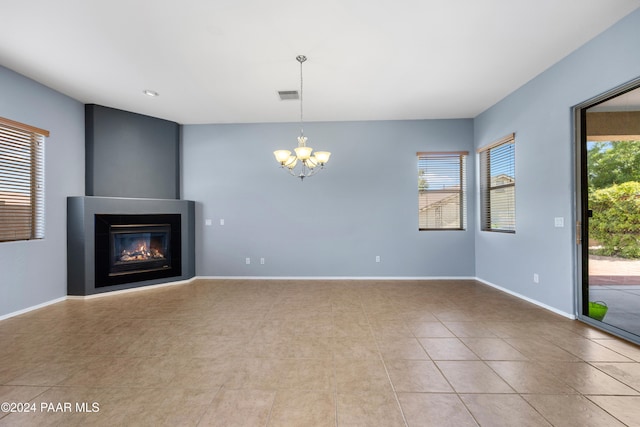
pixel 540 115
pixel 362 205
pixel 35 272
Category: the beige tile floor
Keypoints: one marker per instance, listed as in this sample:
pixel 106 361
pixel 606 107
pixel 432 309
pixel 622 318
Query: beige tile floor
pixel 314 353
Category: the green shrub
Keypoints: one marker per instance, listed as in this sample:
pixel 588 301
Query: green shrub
pixel 616 219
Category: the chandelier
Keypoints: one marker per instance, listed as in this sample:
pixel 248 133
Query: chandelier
pixel 304 163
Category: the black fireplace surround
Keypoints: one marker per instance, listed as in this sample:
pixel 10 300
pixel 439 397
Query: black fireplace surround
pixel 132 248
pixel 118 243
pixel 131 229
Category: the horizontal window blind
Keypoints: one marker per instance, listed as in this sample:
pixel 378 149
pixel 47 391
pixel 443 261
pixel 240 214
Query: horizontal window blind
pixel 21 181
pixel 442 190
pixel 497 186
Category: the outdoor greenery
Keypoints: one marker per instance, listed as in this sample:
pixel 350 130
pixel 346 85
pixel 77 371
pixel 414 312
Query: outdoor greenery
pixel 616 219
pixel 614 197
pixel 613 163
pixel 422 180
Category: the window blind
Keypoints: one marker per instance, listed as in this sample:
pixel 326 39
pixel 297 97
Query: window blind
pixel 497 186
pixel 442 190
pixel 21 181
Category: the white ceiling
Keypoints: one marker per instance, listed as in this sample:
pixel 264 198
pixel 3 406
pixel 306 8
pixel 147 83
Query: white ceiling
pixel 223 61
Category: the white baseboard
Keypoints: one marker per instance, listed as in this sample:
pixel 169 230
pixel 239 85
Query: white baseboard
pixel 303 278
pixel 126 291
pixel 378 278
pixel 35 307
pixel 104 294
pixel 382 278
pixel 525 298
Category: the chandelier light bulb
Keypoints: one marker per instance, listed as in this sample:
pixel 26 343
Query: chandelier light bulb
pixel 282 156
pixel 303 153
pixel 322 156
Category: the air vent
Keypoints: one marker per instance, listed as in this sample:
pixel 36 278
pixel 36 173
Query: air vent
pixel 288 94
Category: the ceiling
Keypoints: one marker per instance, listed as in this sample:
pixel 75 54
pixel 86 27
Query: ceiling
pixel 224 61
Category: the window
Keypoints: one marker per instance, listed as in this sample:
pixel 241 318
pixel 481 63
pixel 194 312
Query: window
pixel 21 181
pixel 442 191
pixel 498 186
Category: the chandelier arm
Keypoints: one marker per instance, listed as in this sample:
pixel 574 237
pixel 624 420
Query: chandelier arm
pixel 303 171
pixel 314 171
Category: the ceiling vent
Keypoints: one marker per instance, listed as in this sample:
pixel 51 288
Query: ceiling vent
pixel 288 94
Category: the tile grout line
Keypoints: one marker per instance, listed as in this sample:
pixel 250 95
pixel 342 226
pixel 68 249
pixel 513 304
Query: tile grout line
pixel 386 370
pixel 577 392
pixel 220 389
pixel 335 372
pixel 442 373
pixel 381 315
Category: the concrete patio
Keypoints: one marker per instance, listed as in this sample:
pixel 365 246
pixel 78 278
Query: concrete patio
pixel 617 283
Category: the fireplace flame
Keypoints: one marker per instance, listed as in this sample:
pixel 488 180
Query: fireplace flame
pixel 139 252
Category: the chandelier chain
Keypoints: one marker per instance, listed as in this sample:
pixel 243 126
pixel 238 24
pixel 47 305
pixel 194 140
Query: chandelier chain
pixel 301 59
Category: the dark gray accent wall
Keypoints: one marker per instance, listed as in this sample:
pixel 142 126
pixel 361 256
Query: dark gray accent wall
pixel 131 155
pixel 81 238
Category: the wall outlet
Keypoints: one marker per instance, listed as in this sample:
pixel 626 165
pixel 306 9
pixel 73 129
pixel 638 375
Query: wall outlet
pixel 261 261
pixel 208 222
pixel 222 223
pixel 558 221
pixel 247 261
pixel 536 278
pixel 377 258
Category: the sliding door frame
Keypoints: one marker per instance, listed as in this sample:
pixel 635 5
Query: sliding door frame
pixel 581 209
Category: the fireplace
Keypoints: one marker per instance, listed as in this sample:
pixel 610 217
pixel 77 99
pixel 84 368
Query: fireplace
pixel 140 247
pixel 131 248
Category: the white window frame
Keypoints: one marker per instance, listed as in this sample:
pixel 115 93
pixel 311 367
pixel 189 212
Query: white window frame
pixel 493 184
pixel 442 182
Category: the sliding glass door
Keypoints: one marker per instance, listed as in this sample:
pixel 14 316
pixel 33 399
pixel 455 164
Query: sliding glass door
pixel 608 228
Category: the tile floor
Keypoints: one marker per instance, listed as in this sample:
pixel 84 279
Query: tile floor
pixel 314 353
